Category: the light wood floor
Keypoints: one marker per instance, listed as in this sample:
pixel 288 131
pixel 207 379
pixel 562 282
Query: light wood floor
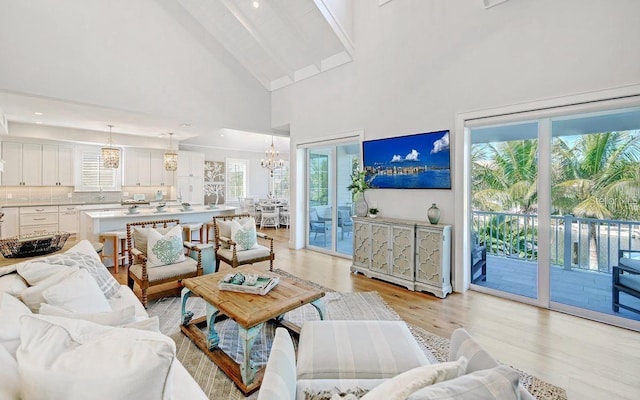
pixel 590 360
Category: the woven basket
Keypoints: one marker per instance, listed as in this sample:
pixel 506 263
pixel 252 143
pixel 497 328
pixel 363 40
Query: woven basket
pixel 32 244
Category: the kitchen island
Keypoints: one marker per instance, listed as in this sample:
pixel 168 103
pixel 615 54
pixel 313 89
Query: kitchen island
pixel 92 223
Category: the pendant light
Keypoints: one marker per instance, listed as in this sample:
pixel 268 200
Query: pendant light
pixel 170 157
pixel 110 155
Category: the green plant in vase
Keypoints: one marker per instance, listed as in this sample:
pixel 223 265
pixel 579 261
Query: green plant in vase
pixel 373 212
pixel 359 184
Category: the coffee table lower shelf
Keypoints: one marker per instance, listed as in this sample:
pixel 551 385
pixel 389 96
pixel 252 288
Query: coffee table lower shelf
pixel 227 364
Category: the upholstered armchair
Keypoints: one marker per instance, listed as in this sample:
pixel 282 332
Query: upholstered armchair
pixel 240 251
pixel 626 279
pixel 156 255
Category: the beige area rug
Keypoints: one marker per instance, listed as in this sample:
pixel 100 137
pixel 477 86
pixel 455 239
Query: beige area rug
pixel 362 305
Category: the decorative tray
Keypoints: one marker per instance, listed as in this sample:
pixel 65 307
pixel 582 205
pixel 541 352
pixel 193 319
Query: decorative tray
pixel 253 284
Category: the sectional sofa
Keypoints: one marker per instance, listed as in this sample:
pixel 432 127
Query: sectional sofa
pixel 69 330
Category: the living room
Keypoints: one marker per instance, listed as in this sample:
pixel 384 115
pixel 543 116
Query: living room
pixel 416 66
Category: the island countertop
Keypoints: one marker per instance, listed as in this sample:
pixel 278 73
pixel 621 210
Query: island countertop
pixel 92 223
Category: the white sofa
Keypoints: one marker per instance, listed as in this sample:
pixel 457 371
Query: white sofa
pixel 380 360
pixel 116 352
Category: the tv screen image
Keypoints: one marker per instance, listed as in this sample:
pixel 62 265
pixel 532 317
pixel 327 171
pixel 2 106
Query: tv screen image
pixel 418 161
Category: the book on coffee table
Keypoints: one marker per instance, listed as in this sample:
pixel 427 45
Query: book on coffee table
pixel 262 285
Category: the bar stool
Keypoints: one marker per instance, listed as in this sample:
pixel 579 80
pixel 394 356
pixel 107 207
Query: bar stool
pixel 210 230
pixel 119 247
pixel 189 228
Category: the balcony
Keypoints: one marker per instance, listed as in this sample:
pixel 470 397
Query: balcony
pixel 582 257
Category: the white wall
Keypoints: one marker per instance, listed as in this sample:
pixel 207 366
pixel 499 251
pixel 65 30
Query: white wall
pixel 419 63
pixel 126 55
pixel 258 176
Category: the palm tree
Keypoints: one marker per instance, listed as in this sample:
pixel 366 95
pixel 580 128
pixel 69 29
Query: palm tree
pixel 597 177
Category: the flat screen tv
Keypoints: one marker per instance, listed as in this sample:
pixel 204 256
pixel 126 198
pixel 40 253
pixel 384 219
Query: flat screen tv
pixel 418 161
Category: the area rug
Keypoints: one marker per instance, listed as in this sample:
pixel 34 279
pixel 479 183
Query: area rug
pixel 359 306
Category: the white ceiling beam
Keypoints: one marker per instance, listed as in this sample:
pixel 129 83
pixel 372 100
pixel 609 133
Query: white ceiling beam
pixel 253 31
pixel 335 25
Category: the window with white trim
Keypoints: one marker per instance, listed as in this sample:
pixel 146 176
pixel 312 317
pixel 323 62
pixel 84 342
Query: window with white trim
pixel 281 182
pixel 92 176
pixel 237 178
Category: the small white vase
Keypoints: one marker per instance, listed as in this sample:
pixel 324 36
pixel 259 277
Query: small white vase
pixel 373 215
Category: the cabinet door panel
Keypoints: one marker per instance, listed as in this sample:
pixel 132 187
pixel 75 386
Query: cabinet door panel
pixel 429 256
pixel 402 252
pixel 12 156
pixel 144 168
pixel 380 248
pixel 361 244
pixel 32 164
pixel 65 165
pixel 50 163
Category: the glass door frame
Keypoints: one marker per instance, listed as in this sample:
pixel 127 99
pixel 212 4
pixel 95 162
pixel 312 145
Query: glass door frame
pixel 543 112
pixel 353 137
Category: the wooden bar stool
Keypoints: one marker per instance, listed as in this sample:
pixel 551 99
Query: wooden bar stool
pixel 189 228
pixel 119 247
pixel 210 229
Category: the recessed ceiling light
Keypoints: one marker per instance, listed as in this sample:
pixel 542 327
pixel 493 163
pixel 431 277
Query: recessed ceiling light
pixel 256 4
pixel 185 125
pixel 38 122
pixel 38 113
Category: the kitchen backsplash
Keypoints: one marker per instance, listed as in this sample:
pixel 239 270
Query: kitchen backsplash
pixel 65 194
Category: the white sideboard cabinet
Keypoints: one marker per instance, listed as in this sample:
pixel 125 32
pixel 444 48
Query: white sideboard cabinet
pixel 408 253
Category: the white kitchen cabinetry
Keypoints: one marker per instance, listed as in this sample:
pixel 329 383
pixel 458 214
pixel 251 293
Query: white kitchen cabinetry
pixel 10 222
pixel 68 219
pixel 146 168
pixel 22 164
pixel 190 189
pixel 190 180
pixel 38 219
pixel 190 164
pixel 404 252
pixel 57 162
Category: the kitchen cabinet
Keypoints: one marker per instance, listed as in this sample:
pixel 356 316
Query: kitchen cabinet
pixel 10 222
pixel 190 164
pixel 190 189
pixel 408 253
pixel 41 219
pixel 57 161
pixel 22 164
pixel 68 219
pixel 146 168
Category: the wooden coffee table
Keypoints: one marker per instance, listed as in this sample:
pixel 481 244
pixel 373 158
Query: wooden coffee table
pixel 249 311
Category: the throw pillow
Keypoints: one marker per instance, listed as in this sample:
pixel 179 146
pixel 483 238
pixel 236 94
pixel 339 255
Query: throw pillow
pixel 78 293
pixel 62 358
pixel 224 230
pixel 244 234
pixel 349 394
pixel 401 386
pixel 32 271
pixel 9 378
pixel 32 296
pixel 119 317
pixel 164 249
pixel 140 236
pixel 499 383
pixel 11 310
pixel 13 284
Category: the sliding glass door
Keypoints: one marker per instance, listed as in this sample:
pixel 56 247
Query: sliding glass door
pixel 329 203
pixel 554 209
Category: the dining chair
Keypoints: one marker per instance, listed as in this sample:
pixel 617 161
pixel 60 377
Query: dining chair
pixel 269 216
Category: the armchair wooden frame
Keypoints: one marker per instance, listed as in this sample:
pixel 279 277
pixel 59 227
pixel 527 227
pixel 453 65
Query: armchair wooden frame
pixel 233 261
pixel 618 286
pixel 138 257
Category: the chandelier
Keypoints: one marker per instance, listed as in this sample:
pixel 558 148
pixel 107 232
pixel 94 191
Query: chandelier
pixel 110 155
pixel 170 157
pixel 272 162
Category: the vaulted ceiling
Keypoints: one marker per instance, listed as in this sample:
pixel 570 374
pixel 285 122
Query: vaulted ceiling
pixel 278 41
pixel 155 66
